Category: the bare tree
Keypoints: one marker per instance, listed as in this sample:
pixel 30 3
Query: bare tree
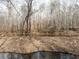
pixel 29 13
pixel 27 18
pixel 9 15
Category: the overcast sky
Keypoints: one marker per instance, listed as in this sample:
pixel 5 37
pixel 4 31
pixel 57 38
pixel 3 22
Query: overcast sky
pixel 37 3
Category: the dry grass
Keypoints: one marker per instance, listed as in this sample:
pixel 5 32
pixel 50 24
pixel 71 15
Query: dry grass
pixel 21 44
pixel 57 33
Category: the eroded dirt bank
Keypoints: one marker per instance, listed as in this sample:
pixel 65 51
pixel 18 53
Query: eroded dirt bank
pixel 22 44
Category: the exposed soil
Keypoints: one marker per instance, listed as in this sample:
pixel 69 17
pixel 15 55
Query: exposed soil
pixel 22 44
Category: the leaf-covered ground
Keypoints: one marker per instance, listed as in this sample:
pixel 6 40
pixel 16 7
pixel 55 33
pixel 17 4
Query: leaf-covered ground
pixel 22 44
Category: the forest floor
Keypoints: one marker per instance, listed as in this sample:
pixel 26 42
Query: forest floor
pixel 21 44
pixel 62 33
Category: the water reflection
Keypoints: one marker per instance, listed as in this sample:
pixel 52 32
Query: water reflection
pixel 38 55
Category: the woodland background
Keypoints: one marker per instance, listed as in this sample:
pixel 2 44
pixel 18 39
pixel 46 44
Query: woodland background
pixel 47 17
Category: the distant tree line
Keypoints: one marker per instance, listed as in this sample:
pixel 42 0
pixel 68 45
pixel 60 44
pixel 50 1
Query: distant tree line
pixel 60 18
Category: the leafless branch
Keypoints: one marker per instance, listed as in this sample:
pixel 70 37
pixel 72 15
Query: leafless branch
pixel 14 6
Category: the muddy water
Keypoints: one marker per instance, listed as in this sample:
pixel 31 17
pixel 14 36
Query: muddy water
pixel 38 55
pixel 13 56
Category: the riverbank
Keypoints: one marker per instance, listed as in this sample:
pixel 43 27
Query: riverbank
pixel 22 44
